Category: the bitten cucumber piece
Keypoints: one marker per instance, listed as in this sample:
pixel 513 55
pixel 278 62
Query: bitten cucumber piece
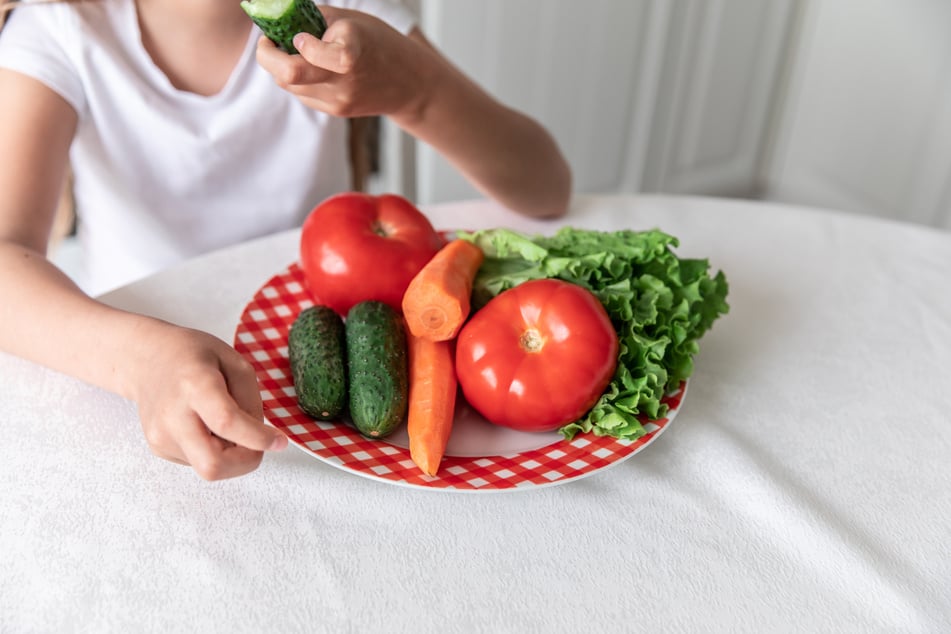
pixel 281 20
pixel 316 349
pixel 378 368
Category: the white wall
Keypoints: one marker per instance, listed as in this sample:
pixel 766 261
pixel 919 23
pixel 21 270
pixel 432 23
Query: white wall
pixel 866 126
pixel 837 103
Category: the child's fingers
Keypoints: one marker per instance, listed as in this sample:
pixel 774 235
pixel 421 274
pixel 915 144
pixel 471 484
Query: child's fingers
pixel 333 56
pixel 288 70
pixel 242 383
pixel 213 459
pixel 222 415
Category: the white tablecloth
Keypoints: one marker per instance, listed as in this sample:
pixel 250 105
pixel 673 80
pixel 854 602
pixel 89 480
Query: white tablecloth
pixel 805 485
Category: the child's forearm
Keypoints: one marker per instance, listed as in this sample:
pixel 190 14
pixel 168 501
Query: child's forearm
pixel 362 67
pixel 197 398
pixel 50 321
pixel 506 154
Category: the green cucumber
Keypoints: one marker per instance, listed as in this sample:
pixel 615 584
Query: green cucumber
pixel 378 368
pixel 317 347
pixel 281 20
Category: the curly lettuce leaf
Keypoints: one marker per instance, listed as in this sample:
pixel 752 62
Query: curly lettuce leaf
pixel 660 305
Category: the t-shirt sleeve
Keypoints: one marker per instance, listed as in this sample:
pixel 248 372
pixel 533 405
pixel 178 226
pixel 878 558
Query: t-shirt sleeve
pixel 36 42
pixel 394 13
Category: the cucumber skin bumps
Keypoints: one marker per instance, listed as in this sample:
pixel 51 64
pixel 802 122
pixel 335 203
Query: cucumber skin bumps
pixel 281 20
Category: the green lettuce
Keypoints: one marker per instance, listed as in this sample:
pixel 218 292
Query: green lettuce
pixel 659 304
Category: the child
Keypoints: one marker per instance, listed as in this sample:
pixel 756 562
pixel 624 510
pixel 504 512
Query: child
pixel 187 131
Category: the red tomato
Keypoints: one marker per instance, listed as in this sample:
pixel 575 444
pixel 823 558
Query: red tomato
pixel 356 247
pixel 537 356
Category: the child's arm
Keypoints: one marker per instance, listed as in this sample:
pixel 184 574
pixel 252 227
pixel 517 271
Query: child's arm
pixel 363 67
pixel 184 382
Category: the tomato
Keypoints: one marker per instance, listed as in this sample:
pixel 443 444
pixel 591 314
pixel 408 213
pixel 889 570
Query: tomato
pixel 356 247
pixel 537 356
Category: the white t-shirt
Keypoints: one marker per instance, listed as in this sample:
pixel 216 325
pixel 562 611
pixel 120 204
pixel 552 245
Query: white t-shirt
pixel 162 175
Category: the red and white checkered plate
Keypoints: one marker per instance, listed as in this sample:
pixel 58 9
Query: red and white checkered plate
pixel 480 456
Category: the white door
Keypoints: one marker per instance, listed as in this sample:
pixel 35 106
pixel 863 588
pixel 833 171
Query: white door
pixel 654 95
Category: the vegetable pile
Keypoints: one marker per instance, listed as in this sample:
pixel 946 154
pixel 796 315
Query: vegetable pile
pixel 583 331
pixel 659 304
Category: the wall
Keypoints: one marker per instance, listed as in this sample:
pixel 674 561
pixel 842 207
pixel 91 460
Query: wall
pixel 836 103
pixel 866 126
pixel 642 95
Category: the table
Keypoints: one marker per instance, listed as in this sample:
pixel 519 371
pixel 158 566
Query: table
pixel 804 486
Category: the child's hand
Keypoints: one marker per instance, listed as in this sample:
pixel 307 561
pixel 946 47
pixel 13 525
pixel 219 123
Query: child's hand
pixel 199 405
pixel 361 67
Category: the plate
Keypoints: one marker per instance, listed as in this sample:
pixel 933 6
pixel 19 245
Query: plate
pixel 480 456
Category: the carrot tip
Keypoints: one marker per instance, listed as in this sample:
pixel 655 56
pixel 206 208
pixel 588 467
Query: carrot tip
pixel 427 464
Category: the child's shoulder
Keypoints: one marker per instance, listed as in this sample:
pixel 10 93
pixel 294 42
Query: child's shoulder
pixel 89 17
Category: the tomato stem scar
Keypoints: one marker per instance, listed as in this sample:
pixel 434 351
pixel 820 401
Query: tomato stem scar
pixel 531 341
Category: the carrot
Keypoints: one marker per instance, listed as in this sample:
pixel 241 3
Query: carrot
pixel 432 400
pixel 437 300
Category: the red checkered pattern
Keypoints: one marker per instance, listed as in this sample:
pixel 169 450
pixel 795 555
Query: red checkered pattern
pixel 261 336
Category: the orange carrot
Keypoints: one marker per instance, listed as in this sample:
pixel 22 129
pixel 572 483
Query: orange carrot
pixel 432 400
pixel 437 300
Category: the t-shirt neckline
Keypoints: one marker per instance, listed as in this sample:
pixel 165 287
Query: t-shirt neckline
pixel 247 56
